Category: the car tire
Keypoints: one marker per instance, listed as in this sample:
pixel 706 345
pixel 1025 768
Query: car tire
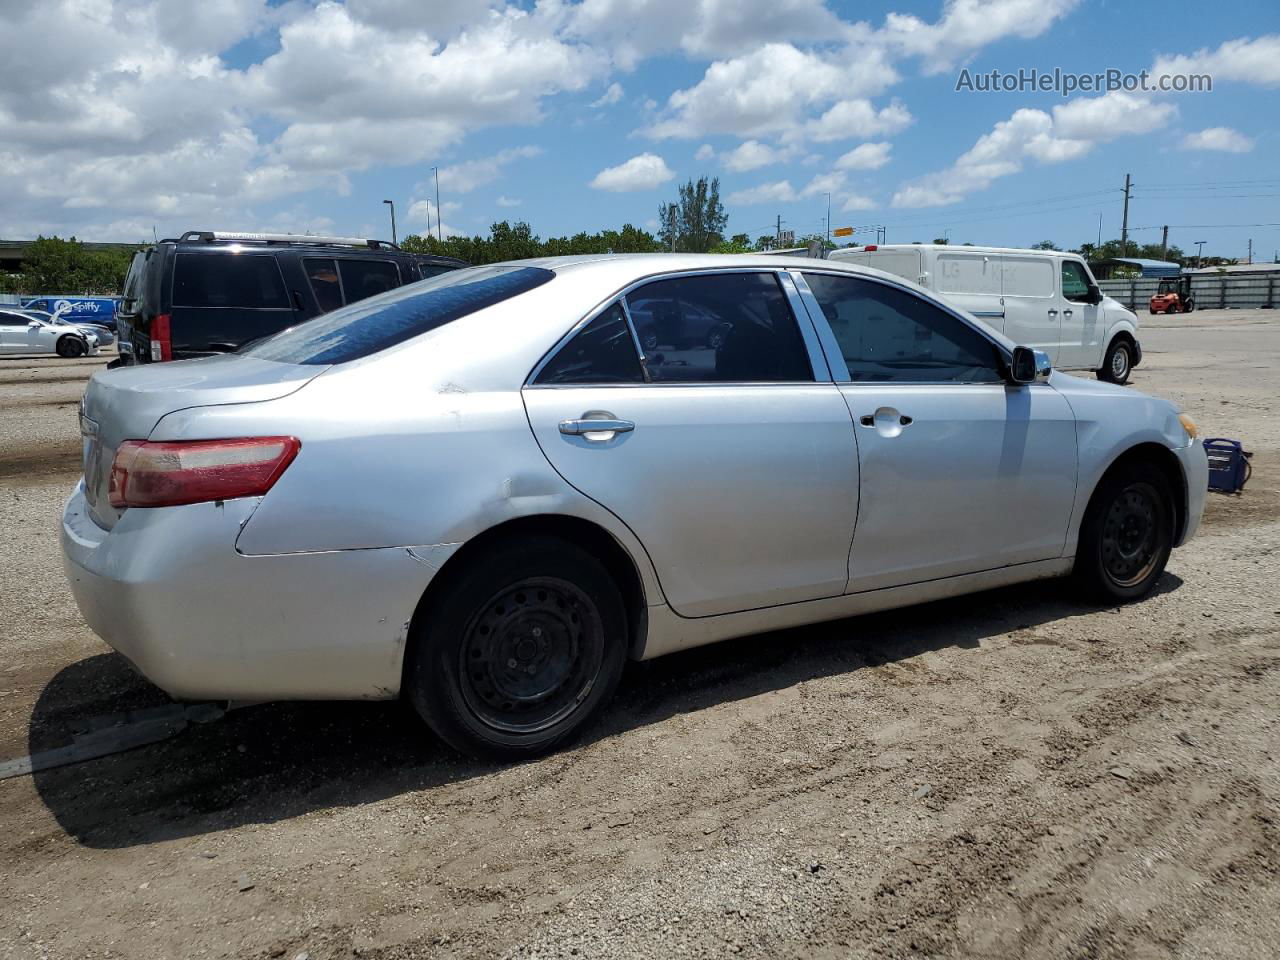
pixel 1118 362
pixel 71 347
pixel 519 651
pixel 1127 534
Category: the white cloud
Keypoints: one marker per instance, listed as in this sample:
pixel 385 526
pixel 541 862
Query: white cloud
pixel 611 96
pixel 855 201
pixel 850 119
pixel 824 183
pixel 769 90
pixel 705 154
pixel 779 192
pixel 507 202
pixel 1073 129
pixel 752 155
pixel 969 25
pixel 636 29
pixel 1243 60
pixel 865 156
pixel 466 176
pixel 642 172
pixel 1223 139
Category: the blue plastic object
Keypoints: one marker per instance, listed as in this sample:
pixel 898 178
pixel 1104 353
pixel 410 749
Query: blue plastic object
pixel 1229 466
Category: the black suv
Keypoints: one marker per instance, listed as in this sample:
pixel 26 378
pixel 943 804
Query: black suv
pixel 208 293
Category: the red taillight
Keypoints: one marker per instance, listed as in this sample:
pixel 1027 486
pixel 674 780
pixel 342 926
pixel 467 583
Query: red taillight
pixel 146 474
pixel 161 339
pixel 870 246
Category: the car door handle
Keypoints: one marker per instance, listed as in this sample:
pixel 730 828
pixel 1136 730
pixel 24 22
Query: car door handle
pixel 867 420
pixel 1053 313
pixel 589 428
pixel 1068 313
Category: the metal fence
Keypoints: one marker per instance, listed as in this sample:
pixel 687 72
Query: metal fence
pixel 1222 291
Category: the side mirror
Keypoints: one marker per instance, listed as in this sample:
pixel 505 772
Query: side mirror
pixel 34 323
pixel 1095 293
pixel 1029 366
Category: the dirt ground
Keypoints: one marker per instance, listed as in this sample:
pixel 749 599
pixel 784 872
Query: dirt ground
pixel 1007 775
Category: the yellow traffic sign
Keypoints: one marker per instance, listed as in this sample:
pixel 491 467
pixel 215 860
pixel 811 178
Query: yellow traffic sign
pixel 842 232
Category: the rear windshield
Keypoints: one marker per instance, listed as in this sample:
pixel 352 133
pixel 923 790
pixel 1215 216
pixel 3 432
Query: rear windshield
pixel 242 280
pixel 369 326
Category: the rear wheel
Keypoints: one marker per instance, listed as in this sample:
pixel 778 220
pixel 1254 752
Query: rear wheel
pixel 71 347
pixel 1118 362
pixel 520 651
pixel 1127 534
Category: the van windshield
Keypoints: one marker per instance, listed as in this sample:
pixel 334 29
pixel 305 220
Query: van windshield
pixel 369 326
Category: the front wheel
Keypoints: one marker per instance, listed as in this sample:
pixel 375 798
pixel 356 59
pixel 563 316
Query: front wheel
pixel 520 651
pixel 1118 362
pixel 71 347
pixel 1127 534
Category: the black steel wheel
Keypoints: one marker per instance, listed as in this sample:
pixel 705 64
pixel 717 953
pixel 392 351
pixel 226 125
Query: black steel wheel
pixel 518 650
pixel 1127 533
pixel 72 347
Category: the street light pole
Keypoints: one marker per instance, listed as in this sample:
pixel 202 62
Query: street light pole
pixel 439 218
pixel 392 205
pixel 1199 247
pixel 828 219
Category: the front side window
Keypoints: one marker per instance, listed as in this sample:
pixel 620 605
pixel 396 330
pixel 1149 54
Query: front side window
pixel 887 334
pixel 364 328
pixel 242 280
pixel 322 274
pixel 602 352
pixel 14 320
pixel 728 327
pixel 1075 282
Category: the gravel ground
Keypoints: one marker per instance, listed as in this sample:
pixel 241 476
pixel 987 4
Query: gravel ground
pixel 1007 775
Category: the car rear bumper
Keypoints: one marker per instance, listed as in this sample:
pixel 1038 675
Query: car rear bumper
pixel 1195 470
pixel 167 589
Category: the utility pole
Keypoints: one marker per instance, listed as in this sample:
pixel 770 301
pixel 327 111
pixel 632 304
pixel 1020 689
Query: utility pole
pixel 1099 229
pixel 392 205
pixel 828 220
pixel 1199 247
pixel 1250 251
pixel 1164 243
pixel 1124 226
pixel 779 234
pixel 439 218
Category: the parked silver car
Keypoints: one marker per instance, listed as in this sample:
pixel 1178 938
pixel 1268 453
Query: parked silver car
pixel 483 492
pixel 101 334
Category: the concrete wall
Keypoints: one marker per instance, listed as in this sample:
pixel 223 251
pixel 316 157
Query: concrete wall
pixel 1210 291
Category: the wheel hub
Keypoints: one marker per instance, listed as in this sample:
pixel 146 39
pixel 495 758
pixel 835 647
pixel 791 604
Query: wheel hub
pixel 1130 543
pixel 531 655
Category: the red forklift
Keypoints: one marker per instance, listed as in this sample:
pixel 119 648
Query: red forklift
pixel 1173 296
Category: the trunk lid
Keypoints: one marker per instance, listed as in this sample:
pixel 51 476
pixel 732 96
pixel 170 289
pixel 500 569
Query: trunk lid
pixel 126 403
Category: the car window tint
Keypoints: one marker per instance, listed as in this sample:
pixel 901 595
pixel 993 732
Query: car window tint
pixel 364 328
pixel 13 320
pixel 1075 284
pixel 426 270
pixel 727 327
pixel 602 352
pixel 367 278
pixel 240 280
pixel 889 334
pixel 322 274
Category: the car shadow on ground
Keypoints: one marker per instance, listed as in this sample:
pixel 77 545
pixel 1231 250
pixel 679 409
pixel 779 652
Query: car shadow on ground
pixel 273 762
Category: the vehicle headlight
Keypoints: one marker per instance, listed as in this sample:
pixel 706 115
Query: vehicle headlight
pixel 1188 425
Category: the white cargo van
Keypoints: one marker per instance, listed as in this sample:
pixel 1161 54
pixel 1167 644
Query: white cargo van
pixel 1046 299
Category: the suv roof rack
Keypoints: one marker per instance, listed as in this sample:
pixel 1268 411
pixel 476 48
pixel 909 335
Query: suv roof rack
pixel 212 236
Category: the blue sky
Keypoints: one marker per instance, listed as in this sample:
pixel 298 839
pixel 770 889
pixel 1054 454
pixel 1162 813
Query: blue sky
pixel 119 116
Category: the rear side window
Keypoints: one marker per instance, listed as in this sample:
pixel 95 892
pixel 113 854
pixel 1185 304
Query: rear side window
pixel 242 280
pixel 887 334
pixel 602 352
pixel 367 327
pixel 427 270
pixel 727 327
pixel 367 278
pixel 322 274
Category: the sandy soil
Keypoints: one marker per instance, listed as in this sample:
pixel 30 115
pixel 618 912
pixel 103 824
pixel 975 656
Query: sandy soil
pixel 1008 775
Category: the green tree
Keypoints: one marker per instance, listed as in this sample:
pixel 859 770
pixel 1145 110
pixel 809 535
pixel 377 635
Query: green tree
pixel 507 241
pixel 695 222
pixel 54 265
pixel 1045 245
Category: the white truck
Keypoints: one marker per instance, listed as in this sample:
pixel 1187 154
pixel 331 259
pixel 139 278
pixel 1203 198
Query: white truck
pixel 1046 299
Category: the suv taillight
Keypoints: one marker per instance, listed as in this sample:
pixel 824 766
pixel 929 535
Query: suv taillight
pixel 161 339
pixel 168 474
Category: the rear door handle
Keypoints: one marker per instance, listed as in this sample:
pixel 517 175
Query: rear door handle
pixel 595 429
pixel 1068 313
pixel 1053 313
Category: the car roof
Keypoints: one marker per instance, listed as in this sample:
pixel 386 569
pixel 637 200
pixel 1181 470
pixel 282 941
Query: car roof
pixel 955 248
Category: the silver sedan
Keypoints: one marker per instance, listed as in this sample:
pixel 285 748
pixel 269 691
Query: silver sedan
pixel 486 491
pixel 34 331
